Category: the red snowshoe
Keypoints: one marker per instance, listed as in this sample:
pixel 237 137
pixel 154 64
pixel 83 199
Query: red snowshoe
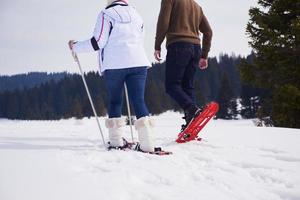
pixel 191 131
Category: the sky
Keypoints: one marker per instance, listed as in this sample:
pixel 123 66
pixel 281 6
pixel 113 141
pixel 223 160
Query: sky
pixel 34 33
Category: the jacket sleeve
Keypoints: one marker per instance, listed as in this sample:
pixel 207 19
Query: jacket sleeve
pixel 100 36
pixel 163 22
pixel 205 28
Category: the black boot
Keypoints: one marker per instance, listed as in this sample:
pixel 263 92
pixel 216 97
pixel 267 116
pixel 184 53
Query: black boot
pixel 190 113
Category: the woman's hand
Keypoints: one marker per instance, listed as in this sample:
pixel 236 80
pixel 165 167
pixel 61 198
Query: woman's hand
pixel 71 44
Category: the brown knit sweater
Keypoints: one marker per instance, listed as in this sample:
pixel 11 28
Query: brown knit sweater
pixel 183 20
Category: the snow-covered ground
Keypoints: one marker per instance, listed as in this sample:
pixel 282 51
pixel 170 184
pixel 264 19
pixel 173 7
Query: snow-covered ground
pixel 64 160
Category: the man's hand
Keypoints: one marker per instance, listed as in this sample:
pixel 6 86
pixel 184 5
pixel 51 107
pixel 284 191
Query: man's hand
pixel 71 44
pixel 203 64
pixel 157 55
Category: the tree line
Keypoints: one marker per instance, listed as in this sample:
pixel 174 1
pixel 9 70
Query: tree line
pixel 28 80
pixel 66 97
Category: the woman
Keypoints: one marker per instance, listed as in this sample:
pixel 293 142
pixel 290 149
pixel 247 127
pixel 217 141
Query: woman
pixel 118 36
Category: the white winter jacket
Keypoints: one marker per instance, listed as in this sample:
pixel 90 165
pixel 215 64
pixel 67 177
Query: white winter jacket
pixel 119 38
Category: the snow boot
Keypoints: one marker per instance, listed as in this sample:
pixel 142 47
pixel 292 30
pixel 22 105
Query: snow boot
pixel 144 127
pixel 190 113
pixel 115 131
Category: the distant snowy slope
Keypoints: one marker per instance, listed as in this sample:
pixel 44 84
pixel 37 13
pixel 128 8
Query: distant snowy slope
pixel 64 160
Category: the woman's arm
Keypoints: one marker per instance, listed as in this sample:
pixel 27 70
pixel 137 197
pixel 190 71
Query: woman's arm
pixel 99 39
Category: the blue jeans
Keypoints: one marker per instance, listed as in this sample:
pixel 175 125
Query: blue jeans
pixel 181 64
pixel 135 79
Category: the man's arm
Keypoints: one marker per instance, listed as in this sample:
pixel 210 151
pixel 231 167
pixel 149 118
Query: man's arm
pixel 205 28
pixel 163 22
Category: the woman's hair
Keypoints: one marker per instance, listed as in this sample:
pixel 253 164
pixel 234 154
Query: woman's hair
pixel 111 1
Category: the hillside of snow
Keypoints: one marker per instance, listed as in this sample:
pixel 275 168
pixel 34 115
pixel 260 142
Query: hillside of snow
pixel 65 160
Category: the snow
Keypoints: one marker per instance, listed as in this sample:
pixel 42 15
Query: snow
pixel 60 160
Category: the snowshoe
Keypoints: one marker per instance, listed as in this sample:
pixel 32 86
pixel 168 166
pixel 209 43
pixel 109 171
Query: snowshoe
pixel 190 131
pixel 127 145
pixel 157 151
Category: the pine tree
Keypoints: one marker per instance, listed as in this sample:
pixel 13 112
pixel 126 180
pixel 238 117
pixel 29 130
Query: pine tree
pixel 274 30
pixel 13 105
pixel 76 109
pixel 226 100
pixel 250 103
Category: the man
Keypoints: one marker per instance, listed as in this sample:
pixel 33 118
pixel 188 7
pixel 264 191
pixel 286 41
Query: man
pixel 181 22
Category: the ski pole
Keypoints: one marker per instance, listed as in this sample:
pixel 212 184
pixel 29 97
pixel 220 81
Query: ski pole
pixel 89 95
pixel 128 110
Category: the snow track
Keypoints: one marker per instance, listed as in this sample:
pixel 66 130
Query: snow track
pixel 59 160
